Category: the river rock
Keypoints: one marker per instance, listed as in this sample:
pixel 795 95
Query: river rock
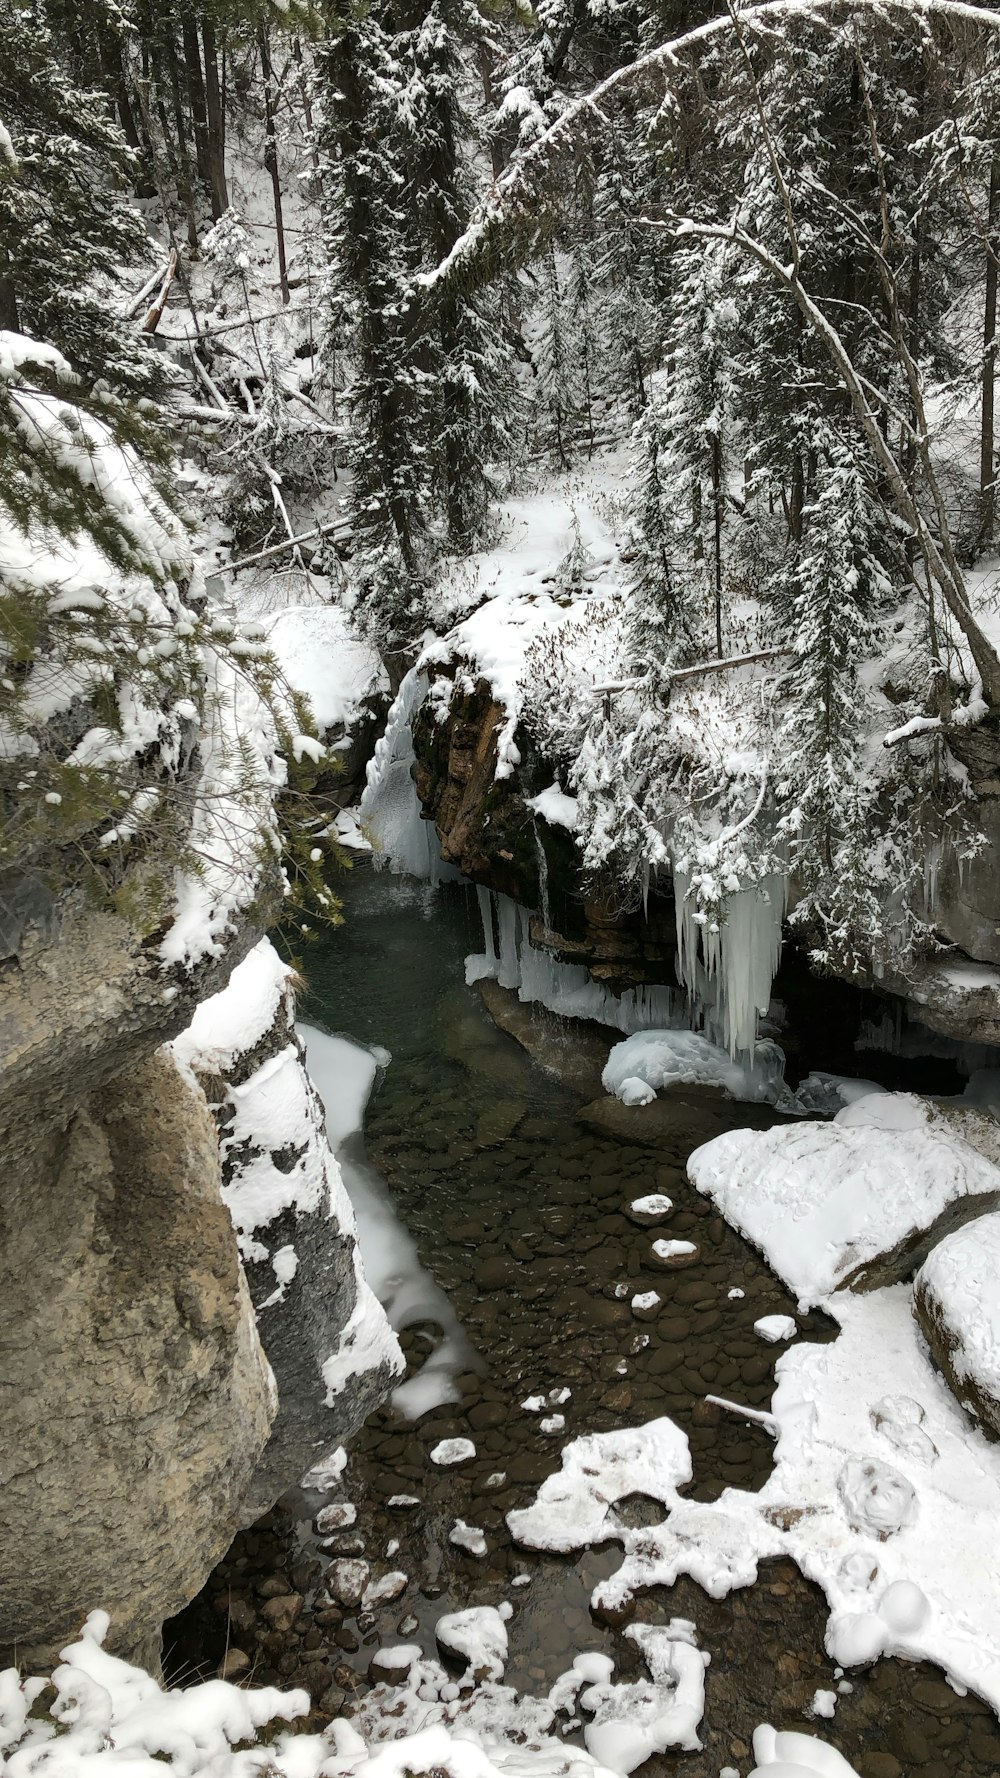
pixel 956 1305
pixel 346 1581
pixel 573 1050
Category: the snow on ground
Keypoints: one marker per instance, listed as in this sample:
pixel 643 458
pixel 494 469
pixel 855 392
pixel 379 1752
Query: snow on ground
pixel 822 1201
pixel 882 1492
pixel 344 1074
pixel 322 657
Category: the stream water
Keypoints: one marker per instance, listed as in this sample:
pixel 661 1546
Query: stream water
pixel 520 1214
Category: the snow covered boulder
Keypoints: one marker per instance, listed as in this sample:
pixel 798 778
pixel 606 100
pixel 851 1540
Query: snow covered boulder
pixel 856 1203
pixel 957 1306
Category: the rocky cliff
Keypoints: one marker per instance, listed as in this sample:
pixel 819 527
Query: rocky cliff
pixel 142 1423
pixel 488 830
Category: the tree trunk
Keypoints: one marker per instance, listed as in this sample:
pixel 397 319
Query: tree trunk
pixel 718 499
pixel 9 318
pixel 182 171
pixel 216 122
pixel 196 95
pixel 987 465
pixel 271 162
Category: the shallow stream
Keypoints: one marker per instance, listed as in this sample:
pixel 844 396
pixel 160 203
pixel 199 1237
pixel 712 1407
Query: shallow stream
pixel 520 1213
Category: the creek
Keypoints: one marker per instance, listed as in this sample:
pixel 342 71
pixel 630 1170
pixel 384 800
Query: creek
pixel 521 1216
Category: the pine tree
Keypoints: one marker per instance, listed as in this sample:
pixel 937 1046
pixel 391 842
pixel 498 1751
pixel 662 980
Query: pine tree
pixel 66 227
pixel 838 580
pixel 558 387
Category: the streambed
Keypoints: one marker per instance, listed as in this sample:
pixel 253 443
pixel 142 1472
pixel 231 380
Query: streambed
pixel 521 1216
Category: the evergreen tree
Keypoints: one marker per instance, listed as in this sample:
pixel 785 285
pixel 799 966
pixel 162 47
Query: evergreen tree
pixel 838 581
pixel 66 228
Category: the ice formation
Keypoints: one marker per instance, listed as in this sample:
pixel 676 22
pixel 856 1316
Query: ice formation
pixel 390 808
pixel 730 963
pixel 658 1059
pixel 565 988
pixel 344 1073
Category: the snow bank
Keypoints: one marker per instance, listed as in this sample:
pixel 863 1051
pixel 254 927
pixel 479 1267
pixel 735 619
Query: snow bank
pixel 824 1202
pixel 344 1074
pixel 323 658
pixel 683 1058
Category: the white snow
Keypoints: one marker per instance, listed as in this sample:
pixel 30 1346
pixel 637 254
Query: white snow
pixel 654 1204
pixel 555 807
pixel 659 1059
pixel 452 1450
pixel 322 657
pixel 824 1200
pixel 468 1537
pixel 552 1423
pixel 646 1299
pixel 786 1753
pixel 774 1328
pixel 336 1517
pixel 634 1721
pixel 823 1703
pixel 575 1507
pixel 667 1250
pixel 960 1279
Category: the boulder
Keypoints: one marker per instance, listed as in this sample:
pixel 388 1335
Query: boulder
pixel 957 1308
pixel 137 1399
pixel 573 1050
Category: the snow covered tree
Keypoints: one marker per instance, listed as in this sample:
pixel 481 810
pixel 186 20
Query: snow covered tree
pixel 66 227
pixel 558 385
pixel 837 582
pixel 677 493
pixel 432 399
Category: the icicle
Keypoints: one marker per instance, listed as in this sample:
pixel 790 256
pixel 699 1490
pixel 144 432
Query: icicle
pixel 729 982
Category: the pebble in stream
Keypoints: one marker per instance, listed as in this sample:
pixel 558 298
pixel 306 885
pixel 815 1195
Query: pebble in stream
pixel 543 1258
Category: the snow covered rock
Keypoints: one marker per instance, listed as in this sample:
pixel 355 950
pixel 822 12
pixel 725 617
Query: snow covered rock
pixel 957 1306
pixel 786 1753
pixel 327 1338
pixel 477 1636
pixel 856 1203
pixel 632 1722
pixel 575 1507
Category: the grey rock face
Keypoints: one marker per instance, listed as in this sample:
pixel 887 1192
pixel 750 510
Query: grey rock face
pixel 295 1224
pixel 136 1398
pixel 954 1301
